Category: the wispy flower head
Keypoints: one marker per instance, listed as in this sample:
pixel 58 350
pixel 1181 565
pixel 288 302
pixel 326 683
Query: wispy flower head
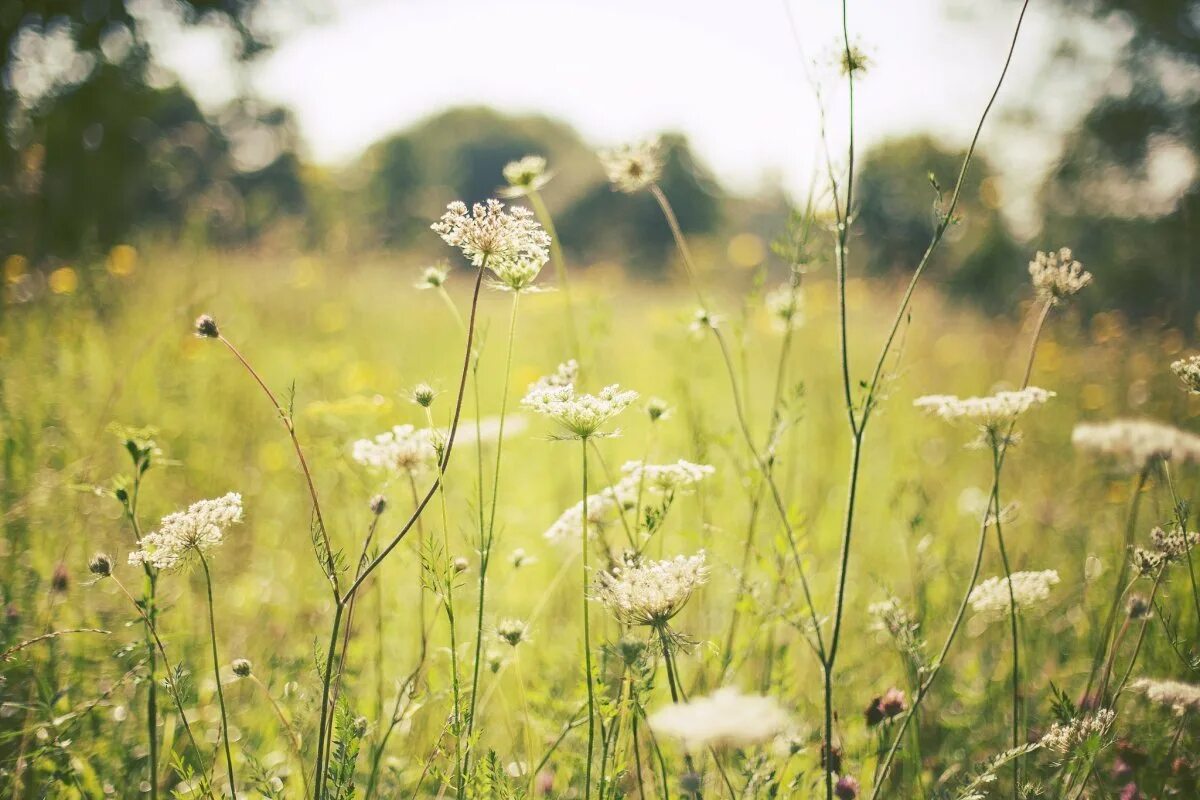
pixel 990 414
pixel 402 449
pixel 1065 738
pixel 1056 275
pixel 434 277
pixel 665 478
pixel 582 415
pixel 658 409
pixel 1138 443
pixel 525 175
pixel 1166 547
pixel 507 240
pixel 1188 372
pixel 634 166
pixel 702 320
pixel 512 632
pixel 725 719
pixel 990 599
pixel 650 592
pixel 1182 698
pixel 192 532
pixel 783 307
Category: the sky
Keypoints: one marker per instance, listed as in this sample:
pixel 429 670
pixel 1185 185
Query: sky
pixel 733 76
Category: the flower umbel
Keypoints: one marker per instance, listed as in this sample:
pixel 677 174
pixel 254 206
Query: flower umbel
pixel 505 239
pixel 1182 698
pixel 195 531
pixel 434 277
pixel 1056 276
pixel 402 449
pixel 581 415
pixel 1188 372
pixel 525 175
pixel 726 718
pixel 1138 443
pixel 990 599
pixel 1064 738
pixel 652 592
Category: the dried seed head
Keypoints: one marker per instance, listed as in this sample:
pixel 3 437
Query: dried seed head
pixel 242 667
pixel 378 504
pixel 206 327
pixel 101 565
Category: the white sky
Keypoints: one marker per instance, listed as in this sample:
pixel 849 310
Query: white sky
pixel 727 74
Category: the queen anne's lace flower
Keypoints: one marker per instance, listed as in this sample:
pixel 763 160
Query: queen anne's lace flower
pixel 402 449
pixel 512 631
pixel 1182 698
pixel 783 307
pixel 988 411
pixel 1057 276
pixel 634 166
pixel 1064 738
pixel 509 241
pixel 665 478
pixel 604 509
pixel 1167 547
pixel 525 176
pixel 1138 443
pixel 1188 372
pixel 990 599
pixel 726 718
pixel 581 415
pixel 650 592
pixel 195 531
pixel 434 277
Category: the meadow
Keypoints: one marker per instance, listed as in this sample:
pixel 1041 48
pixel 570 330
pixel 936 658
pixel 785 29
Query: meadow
pixel 287 526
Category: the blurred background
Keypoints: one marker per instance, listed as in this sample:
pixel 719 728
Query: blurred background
pixel 135 129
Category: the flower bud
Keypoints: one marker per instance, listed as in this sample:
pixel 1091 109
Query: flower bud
pixel 242 667
pixel 378 504
pixel 101 565
pixel 206 327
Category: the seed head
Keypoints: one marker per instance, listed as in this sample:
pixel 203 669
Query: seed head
pixel 206 327
pixel 632 167
pixel 1056 276
pixel 101 565
pixel 242 667
pixel 378 504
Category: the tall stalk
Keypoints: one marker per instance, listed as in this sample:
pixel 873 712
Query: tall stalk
pixel 212 637
pixel 587 633
pixel 1012 616
pixel 560 267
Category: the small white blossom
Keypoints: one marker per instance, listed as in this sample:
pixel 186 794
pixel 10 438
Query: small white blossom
pixel 987 411
pixel 1064 738
pixel 402 449
pixel 702 320
pixel 195 531
pixel 1138 443
pixel 434 277
pixel 783 307
pixel 651 592
pixel 604 509
pixel 665 478
pixel 990 599
pixel 524 176
pixel 1057 276
pixel 1188 372
pixel 512 632
pixel 582 415
pixel 634 166
pixel 1181 698
pixel 725 719
pixel 509 241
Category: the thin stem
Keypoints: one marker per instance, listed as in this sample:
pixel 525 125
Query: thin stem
pixel 587 632
pixel 673 683
pixel 1012 607
pixel 560 265
pixel 680 242
pixel 292 736
pixel 326 718
pixel 212 637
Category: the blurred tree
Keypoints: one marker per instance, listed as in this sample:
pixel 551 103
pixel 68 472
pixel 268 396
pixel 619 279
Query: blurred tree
pixel 896 215
pixel 90 148
pixel 1126 191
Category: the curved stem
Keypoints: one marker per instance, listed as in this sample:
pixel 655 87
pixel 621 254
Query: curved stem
pixel 212 636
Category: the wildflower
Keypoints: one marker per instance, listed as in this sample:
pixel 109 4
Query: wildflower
pixel 702 320
pixel 846 788
pixel 1167 547
pixel 460 564
pixel 512 631
pixel 657 409
pixel 358 728
pixel 490 234
pixel 604 508
pixel 581 415
pixel 783 307
pixel 1188 372
pixel 726 718
pixel 987 411
pixel 402 449
pixel 101 565
pixel 665 478
pixel 423 395
pixel 60 579
pixel 890 704
pixel 378 504
pixel 524 176
pixel 1138 443
pixel 519 558
pixel 634 166
pixel 242 667
pixel 1065 737
pixel 1056 276
pixel 434 277
pixel 517 275
pixel 650 593
pixel 991 598
pixel 890 617
pixel 1180 697
pixel 206 327
pixel 197 530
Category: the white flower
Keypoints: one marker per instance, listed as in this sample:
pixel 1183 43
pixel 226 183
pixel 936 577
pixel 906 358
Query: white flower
pixel 524 176
pixel 512 631
pixel 726 718
pixel 434 277
pixel 989 411
pixel 604 509
pixel 665 478
pixel 402 449
pixel 783 306
pixel 509 242
pixel 1167 548
pixel 1138 443
pixel 990 599
pixel 1180 697
pixel 517 275
pixel 1057 276
pixel 197 530
pixel 581 415
pixel 1188 372
pixel 651 592
pixel 1066 737
pixel 702 320
pixel 634 166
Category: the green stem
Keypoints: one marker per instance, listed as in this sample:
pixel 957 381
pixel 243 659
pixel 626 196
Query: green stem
pixel 560 266
pixel 587 634
pixel 1012 606
pixel 212 636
